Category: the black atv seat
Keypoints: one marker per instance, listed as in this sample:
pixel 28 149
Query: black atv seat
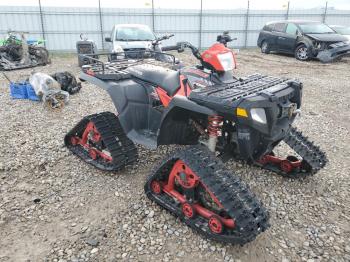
pixel 167 79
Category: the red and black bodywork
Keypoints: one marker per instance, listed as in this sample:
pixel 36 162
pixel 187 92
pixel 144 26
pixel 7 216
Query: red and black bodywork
pixel 152 100
pixel 160 104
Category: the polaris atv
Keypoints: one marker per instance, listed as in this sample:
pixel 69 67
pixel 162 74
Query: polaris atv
pixel 217 116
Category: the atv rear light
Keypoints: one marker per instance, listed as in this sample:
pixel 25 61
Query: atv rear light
pixel 226 60
pixel 258 115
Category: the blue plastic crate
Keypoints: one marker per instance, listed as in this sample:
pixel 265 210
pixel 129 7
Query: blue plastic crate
pixel 18 90
pixel 31 93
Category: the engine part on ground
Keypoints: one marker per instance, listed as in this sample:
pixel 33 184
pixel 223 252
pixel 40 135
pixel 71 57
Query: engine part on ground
pixel 55 99
pixel 42 83
pixel 86 47
pixel 67 81
pixel 49 90
pixel 18 54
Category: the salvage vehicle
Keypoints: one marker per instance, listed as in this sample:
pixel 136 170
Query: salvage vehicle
pixel 132 40
pixel 342 30
pixel 304 39
pixel 16 53
pixel 217 116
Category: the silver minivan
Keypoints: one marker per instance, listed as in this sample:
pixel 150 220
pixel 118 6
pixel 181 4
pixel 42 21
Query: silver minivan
pixel 131 38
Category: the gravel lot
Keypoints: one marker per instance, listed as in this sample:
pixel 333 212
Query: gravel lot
pixel 54 207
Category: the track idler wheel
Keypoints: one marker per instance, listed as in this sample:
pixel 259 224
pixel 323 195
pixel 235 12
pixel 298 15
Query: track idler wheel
pixel 93 154
pixel 156 187
pixel 215 225
pixel 188 210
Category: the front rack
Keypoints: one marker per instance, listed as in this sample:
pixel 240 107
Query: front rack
pixel 113 65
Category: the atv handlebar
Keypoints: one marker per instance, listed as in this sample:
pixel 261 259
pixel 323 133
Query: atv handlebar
pixel 195 51
pixel 170 48
pixel 180 47
pixel 164 37
pixel 225 38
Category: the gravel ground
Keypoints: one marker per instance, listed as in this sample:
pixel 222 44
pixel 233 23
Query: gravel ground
pixel 54 207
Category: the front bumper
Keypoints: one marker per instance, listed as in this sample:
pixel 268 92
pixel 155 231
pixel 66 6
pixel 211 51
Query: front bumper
pixel 335 51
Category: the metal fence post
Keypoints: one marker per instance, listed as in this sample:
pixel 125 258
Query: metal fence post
pixel 153 23
pixel 287 14
pixel 246 26
pixel 325 12
pixel 42 22
pixel 200 26
pixel 101 26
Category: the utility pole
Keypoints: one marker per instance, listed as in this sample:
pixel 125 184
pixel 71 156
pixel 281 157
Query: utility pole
pixel 200 25
pixel 101 26
pixel 42 22
pixel 325 12
pixel 246 26
pixel 153 24
pixel 287 14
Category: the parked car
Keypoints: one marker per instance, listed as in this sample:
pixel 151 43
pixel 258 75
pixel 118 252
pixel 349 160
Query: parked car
pixel 133 40
pixel 343 30
pixel 304 39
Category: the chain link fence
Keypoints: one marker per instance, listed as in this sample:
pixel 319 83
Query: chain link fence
pixel 61 26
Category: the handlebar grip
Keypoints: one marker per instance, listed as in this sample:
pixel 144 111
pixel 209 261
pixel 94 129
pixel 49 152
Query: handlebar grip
pixel 170 48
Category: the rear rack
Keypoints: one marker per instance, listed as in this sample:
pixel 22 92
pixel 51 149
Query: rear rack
pixel 112 66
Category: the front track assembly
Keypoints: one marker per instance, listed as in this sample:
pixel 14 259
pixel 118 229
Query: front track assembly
pixel 99 140
pixel 195 186
pixel 312 158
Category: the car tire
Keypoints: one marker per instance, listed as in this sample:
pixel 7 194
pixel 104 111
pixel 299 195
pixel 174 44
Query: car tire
pixel 302 53
pixel 265 48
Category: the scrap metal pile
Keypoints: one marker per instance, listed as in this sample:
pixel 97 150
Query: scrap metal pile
pixel 16 53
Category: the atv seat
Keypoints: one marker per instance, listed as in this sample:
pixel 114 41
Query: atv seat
pixel 167 79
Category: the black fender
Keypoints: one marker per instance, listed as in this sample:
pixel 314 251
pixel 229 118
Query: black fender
pixel 174 127
pixel 134 111
pixel 185 103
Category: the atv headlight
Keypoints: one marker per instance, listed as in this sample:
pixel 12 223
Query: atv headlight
pixel 226 60
pixel 258 115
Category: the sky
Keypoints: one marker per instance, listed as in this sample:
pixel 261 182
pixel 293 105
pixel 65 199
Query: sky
pixel 190 4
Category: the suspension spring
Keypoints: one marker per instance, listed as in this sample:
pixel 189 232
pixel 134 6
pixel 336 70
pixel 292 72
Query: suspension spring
pixel 214 125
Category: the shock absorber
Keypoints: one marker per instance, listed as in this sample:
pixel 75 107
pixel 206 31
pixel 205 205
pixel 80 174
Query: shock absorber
pixel 214 130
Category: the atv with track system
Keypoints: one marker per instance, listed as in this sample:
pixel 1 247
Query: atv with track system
pixel 218 117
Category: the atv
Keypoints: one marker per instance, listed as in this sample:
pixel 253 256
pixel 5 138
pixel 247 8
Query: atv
pixel 217 116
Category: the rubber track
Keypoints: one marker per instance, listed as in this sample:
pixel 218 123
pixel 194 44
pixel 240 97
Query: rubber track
pixel 120 147
pixel 251 218
pixel 311 154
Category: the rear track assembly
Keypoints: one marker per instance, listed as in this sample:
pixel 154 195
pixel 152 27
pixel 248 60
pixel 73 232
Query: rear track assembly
pixel 99 139
pixel 195 186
